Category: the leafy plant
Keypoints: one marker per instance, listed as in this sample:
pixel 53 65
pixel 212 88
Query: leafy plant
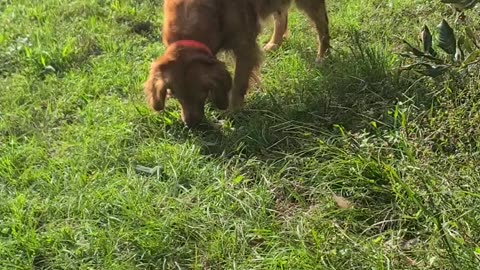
pixel 461 4
pixel 428 62
pixel 460 47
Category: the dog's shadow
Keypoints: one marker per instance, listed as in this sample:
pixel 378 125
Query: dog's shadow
pixel 352 88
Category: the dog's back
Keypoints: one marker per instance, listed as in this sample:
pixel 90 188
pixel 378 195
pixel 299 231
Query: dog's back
pixel 191 19
pixel 220 24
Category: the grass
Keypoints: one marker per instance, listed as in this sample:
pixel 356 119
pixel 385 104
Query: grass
pixel 348 165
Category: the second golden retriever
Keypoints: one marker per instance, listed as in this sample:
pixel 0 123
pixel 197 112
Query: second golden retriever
pixel 194 31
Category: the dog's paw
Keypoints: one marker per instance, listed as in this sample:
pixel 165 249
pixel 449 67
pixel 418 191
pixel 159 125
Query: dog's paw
pixel 236 103
pixel 322 58
pixel 270 47
pixel 319 60
pixel 322 55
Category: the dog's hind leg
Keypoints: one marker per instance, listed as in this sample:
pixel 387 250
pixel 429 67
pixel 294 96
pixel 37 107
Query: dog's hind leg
pixel 317 11
pixel 280 30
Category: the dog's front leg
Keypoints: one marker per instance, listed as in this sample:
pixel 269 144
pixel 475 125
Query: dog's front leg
pixel 247 59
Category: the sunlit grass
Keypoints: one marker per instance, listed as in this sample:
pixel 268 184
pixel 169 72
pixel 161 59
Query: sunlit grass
pixel 348 165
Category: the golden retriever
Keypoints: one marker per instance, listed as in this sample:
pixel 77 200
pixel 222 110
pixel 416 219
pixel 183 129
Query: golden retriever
pixel 194 31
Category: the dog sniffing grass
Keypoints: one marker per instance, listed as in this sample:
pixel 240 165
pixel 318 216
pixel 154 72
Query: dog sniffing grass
pixel 348 165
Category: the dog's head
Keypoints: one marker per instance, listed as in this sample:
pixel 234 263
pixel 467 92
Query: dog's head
pixel 192 76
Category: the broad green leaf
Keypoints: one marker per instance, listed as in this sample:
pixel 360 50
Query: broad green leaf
pixel 446 38
pixel 426 37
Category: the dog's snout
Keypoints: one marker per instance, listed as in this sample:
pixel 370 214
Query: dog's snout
pixel 192 118
pixel 192 122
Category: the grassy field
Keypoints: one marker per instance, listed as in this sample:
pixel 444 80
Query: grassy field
pixel 348 165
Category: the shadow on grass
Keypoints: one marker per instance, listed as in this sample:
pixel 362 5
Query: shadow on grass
pixel 297 136
pixel 352 89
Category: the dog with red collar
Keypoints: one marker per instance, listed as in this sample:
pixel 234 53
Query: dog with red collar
pixel 194 31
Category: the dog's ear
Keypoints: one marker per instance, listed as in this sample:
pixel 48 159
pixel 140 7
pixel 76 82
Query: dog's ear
pixel 215 77
pixel 220 83
pixel 156 86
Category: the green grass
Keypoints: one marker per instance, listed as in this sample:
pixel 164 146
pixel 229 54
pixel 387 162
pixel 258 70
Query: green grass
pixel 261 192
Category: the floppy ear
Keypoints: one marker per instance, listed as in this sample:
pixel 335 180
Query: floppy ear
pixel 219 83
pixel 155 87
pixel 214 77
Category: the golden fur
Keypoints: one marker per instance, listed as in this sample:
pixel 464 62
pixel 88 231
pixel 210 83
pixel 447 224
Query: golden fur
pixel 193 76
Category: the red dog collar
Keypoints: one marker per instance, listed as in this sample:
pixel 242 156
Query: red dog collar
pixel 193 44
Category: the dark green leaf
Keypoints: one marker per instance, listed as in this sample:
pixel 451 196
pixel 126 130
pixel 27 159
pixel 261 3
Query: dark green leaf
pixel 435 71
pixel 446 38
pixel 427 69
pixel 413 50
pixel 426 37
